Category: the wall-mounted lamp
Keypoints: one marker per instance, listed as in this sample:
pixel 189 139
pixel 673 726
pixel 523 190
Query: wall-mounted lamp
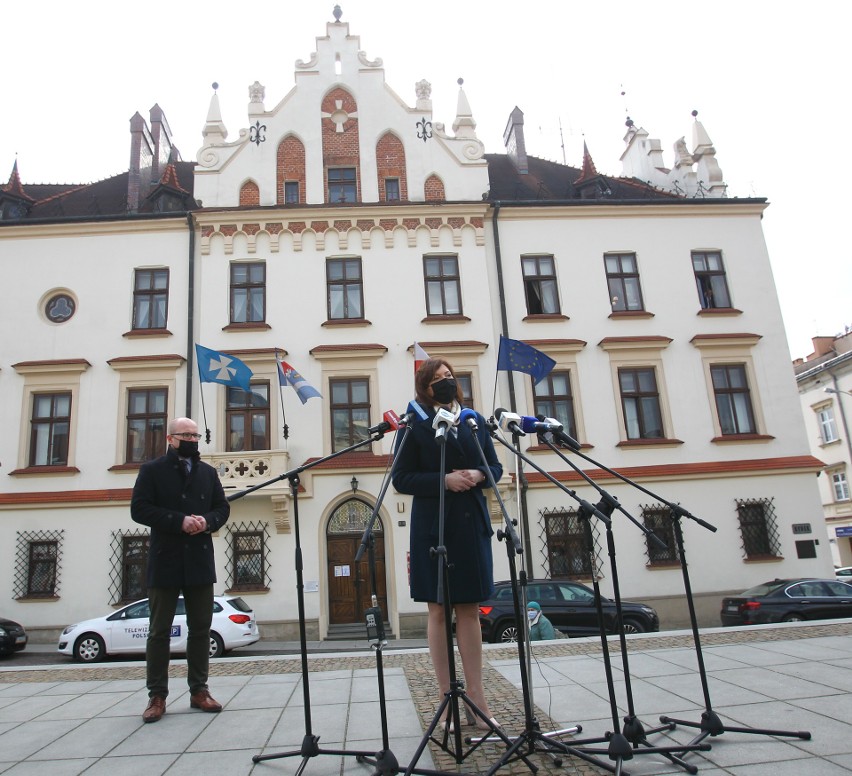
pixel 353 483
pixel 837 390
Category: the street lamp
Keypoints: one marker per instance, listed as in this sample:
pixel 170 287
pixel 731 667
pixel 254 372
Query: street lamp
pixel 828 389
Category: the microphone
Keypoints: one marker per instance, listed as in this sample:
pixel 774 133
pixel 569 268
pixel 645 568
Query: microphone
pixel 469 416
pixel 391 422
pixel 442 421
pixel 543 425
pixel 509 421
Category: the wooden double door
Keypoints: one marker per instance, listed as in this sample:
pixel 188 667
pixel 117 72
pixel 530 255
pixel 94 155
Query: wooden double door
pixel 349 586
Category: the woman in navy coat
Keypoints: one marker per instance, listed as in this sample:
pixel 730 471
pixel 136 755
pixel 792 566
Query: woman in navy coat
pixel 467 525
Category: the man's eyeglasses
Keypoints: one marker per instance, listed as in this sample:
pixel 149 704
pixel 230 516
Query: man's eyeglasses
pixel 186 435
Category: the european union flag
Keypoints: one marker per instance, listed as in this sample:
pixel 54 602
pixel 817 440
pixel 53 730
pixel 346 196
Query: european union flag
pixel 215 367
pixel 517 356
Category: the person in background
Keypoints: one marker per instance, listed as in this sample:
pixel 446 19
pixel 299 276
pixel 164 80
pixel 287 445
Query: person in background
pixel 180 498
pixel 467 523
pixel 541 629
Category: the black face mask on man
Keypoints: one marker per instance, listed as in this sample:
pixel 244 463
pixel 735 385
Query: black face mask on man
pixel 444 390
pixel 187 448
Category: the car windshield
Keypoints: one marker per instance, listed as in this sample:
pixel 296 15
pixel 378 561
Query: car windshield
pixel 765 589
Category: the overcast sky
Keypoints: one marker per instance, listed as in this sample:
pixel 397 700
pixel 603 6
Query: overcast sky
pixel 768 77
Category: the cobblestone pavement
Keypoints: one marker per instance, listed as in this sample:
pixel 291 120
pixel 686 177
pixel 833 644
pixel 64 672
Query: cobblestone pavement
pixel 504 697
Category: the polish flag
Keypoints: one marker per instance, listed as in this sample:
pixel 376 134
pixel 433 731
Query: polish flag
pixel 420 356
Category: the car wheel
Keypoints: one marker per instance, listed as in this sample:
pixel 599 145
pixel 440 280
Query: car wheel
pixel 89 648
pixel 508 633
pixel 217 646
pixel 793 617
pixel 633 626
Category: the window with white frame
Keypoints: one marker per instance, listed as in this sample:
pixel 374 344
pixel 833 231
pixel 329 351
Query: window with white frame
pixel 827 424
pixel 840 485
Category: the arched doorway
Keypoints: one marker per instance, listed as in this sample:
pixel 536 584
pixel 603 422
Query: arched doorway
pixel 349 588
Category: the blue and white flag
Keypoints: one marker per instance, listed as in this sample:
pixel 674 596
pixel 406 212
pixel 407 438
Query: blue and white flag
pixel 216 367
pixel 289 376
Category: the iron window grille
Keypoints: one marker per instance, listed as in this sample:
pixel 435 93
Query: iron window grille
pixel 129 565
pixel 659 520
pixel 563 546
pixel 247 557
pixel 758 528
pixel 38 564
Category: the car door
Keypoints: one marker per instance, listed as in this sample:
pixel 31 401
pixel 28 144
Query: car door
pixel 836 600
pixel 578 605
pixel 129 632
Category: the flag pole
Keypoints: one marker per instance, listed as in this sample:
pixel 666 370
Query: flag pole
pixel 286 428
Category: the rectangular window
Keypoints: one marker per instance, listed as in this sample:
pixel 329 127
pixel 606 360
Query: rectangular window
pixel 146 423
pixel 827 425
pixel 659 521
pixel 640 401
pixel 758 529
pixel 622 277
pixel 392 189
pixel 466 385
pixel 710 279
pixel 249 557
pixel 443 286
pixel 345 289
pixel 291 192
pixel 733 400
pixel 134 563
pixel 540 285
pixel 342 184
pixel 248 292
pixel 840 485
pixel 247 418
pixel 150 298
pixel 567 554
pixel 50 429
pixel 41 569
pixel 553 399
pixel 350 412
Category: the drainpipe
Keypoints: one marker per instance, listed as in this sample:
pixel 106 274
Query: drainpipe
pixel 190 315
pixel 504 324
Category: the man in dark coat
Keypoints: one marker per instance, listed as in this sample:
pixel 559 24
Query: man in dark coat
pixel 180 498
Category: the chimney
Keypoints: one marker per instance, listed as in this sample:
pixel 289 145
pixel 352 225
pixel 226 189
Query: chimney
pixel 141 160
pixel 513 139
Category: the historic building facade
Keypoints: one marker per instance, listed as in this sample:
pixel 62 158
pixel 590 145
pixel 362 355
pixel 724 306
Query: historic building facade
pixel 339 228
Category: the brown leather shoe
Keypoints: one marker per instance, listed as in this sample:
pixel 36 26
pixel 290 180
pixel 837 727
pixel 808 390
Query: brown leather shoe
pixel 156 709
pixel 204 701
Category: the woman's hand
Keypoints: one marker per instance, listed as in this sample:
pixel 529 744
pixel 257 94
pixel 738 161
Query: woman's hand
pixel 460 480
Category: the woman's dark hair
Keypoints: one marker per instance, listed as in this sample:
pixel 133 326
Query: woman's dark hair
pixel 424 377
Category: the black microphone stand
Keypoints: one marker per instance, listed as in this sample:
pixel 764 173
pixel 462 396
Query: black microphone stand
pixel 619 748
pixel 710 724
pixel 632 730
pixel 310 743
pixel 456 692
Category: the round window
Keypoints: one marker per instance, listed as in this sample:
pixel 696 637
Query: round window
pixel 60 308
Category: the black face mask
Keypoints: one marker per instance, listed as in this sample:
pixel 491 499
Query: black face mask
pixel 444 391
pixel 187 449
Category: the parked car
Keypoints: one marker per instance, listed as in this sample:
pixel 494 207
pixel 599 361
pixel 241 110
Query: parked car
pixel 843 574
pixel 569 606
pixel 125 632
pixel 788 600
pixel 13 637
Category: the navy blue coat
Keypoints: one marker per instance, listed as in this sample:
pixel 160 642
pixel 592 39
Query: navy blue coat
pixel 162 496
pixel 467 524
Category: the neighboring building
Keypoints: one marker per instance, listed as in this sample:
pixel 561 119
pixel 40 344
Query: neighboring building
pixel 341 227
pixel 825 389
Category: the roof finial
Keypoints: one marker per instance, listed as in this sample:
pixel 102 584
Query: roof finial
pixel 215 86
pixel 337 13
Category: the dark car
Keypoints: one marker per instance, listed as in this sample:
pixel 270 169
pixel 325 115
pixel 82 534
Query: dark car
pixel 569 606
pixel 788 600
pixel 13 637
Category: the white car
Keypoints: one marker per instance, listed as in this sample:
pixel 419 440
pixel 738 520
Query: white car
pixel 125 632
pixel 843 574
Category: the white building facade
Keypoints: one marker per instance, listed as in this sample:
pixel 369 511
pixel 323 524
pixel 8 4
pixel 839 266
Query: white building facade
pixel 340 227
